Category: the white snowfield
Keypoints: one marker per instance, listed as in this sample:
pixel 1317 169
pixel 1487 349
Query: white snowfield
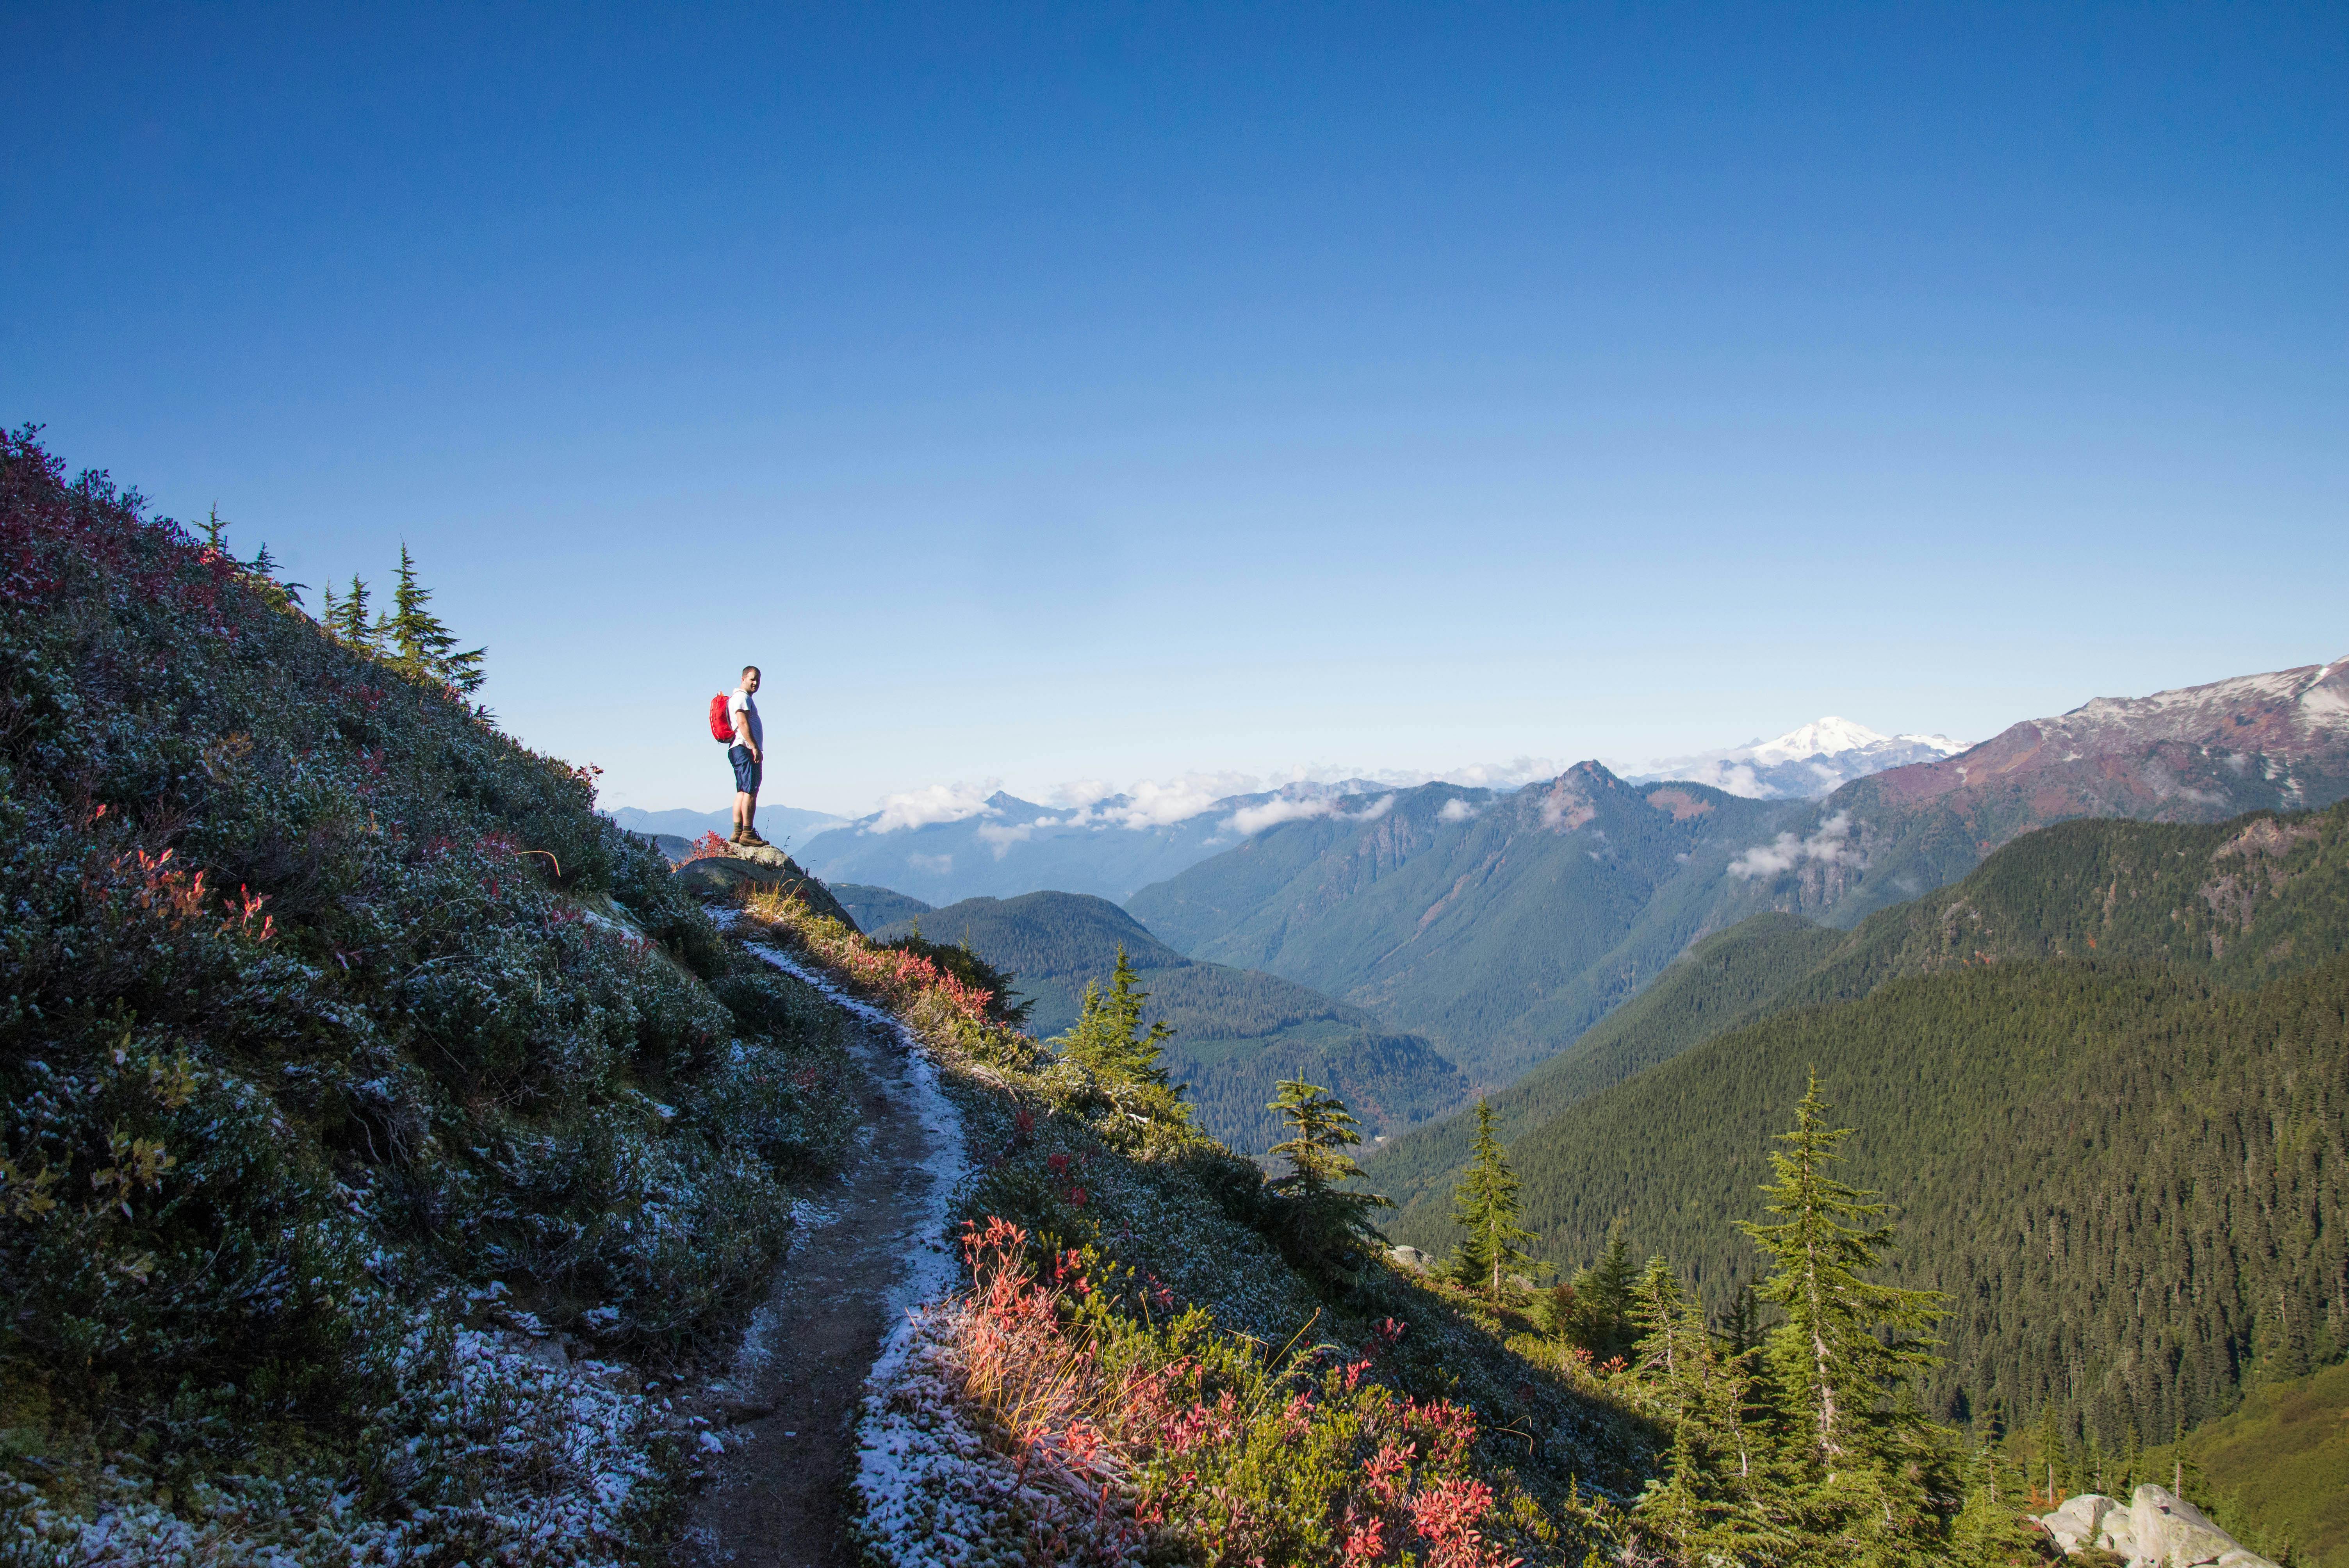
pixel 1813 759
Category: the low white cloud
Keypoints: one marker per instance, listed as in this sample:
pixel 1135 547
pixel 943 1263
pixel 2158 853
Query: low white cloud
pixel 1504 776
pixel 1830 845
pixel 1252 820
pixel 1001 836
pixel 1150 804
pixel 937 803
pixel 936 865
pixel 1456 811
pixel 1080 793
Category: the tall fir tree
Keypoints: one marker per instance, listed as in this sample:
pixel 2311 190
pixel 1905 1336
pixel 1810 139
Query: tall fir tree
pixel 1844 1362
pixel 1485 1206
pixel 1329 1226
pixel 422 646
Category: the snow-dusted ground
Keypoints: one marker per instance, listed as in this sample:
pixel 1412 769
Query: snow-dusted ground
pixel 929 1492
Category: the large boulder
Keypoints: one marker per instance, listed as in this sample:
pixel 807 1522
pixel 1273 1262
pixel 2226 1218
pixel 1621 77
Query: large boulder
pixel 731 877
pixel 2077 1522
pixel 2153 1530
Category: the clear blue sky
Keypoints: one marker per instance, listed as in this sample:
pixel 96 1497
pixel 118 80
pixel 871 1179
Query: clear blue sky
pixel 1112 391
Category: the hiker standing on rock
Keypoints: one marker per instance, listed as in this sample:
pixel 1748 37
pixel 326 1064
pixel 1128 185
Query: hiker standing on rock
pixel 749 756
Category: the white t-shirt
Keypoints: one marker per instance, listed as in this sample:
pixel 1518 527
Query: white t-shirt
pixel 740 703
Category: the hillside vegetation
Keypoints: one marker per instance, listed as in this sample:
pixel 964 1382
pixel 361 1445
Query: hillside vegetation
pixel 2242 903
pixel 2277 1468
pixel 348 1056
pixel 1237 1032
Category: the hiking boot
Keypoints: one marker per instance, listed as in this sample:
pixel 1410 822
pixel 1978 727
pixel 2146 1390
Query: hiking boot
pixel 748 838
pixel 736 836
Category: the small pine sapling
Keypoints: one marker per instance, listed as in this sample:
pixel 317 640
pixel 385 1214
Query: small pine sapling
pixel 1485 1206
pixel 422 647
pixel 1327 1227
pixel 1108 1039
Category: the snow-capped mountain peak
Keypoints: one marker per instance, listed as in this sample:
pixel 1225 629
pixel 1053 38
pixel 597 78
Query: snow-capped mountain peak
pixel 1827 737
pixel 1807 761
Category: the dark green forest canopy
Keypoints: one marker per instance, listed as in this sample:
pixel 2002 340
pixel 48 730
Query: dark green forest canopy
pixel 2130 1181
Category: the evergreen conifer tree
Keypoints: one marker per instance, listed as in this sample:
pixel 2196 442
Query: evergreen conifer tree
pixel 423 647
pixel 1485 1206
pixel 1327 1222
pixel 1713 1498
pixel 1603 1321
pixel 347 621
pixel 1108 1037
pixel 1843 1362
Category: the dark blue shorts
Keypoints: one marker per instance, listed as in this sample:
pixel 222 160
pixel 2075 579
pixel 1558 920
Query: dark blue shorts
pixel 746 772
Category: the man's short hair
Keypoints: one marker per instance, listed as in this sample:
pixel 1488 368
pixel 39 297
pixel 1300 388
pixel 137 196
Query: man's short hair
pixel 750 670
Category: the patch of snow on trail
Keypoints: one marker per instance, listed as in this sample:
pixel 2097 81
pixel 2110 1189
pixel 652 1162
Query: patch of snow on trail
pixel 928 1489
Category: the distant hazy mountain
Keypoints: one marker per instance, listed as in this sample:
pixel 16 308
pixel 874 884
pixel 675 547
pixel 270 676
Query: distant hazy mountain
pixel 1236 1032
pixel 775 823
pixel 1004 846
pixel 1804 763
pixel 1501 926
pixel 873 907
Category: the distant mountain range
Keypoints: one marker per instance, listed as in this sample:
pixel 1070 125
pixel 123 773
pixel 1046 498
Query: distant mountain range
pixel 1236 1032
pixel 1500 926
pixel 2200 754
pixel 1002 846
pixel 1503 926
pixel 1802 763
pixel 940 844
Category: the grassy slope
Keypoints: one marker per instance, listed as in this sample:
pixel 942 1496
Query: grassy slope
pixel 1237 1031
pixel 342 1036
pixel 2278 1468
pixel 2115 889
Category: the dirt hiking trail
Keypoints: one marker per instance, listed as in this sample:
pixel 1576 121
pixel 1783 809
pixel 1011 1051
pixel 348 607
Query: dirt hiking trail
pixel 867 1248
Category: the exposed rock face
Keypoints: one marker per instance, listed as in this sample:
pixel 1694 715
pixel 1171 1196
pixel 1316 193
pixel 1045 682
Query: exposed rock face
pixel 1412 1258
pixel 729 876
pixel 2152 1530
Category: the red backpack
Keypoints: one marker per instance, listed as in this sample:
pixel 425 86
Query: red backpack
pixel 721 722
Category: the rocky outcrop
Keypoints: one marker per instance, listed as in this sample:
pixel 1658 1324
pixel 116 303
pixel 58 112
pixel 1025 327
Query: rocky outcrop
pixel 728 878
pixel 2152 1530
